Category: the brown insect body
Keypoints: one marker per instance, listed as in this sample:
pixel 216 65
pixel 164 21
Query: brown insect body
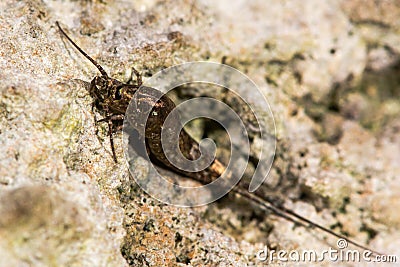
pixel 161 106
pixel 112 99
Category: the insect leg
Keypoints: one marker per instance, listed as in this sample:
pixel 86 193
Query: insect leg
pixel 138 77
pixel 110 133
pixel 112 118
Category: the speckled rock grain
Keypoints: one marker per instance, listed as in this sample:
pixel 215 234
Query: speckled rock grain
pixel 66 203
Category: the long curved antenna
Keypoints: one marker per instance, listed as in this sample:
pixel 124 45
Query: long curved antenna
pixel 94 62
pixel 286 213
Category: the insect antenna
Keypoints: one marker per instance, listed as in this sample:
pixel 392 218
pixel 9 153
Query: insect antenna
pixel 286 214
pixel 94 62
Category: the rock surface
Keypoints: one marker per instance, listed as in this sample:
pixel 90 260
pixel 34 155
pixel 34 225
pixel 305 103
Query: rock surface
pixel 328 68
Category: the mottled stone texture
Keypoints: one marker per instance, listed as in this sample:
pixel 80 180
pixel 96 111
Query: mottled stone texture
pixel 330 70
